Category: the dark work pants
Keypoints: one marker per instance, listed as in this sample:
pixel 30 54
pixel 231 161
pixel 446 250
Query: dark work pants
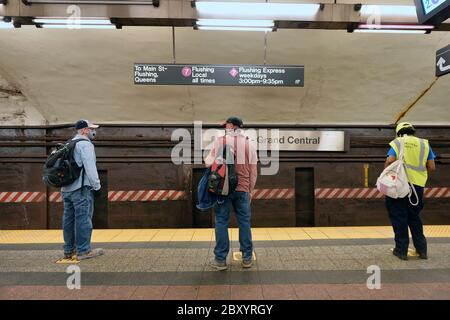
pixel 403 215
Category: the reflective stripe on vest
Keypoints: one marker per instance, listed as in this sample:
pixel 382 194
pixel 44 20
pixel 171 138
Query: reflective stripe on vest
pixel 421 167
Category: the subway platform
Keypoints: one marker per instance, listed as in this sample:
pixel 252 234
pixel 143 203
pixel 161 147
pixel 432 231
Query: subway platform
pixel 171 264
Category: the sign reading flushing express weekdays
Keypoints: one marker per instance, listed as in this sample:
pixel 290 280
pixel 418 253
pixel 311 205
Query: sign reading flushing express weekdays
pixel 218 75
pixel 432 11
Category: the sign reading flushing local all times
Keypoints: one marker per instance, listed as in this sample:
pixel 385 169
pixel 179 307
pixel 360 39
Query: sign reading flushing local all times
pixel 432 11
pixel 218 75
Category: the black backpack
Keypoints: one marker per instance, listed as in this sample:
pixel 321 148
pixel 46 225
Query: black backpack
pixel 61 169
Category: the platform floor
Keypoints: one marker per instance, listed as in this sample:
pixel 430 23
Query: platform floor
pixel 291 263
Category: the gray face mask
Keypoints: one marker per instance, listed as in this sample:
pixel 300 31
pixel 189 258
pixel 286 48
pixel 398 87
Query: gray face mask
pixel 92 134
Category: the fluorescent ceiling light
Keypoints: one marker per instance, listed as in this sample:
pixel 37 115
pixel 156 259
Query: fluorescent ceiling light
pixel 235 23
pixel 6 25
pixel 390 31
pixel 395 26
pixel 254 10
pixel 77 26
pixel 215 28
pixel 73 21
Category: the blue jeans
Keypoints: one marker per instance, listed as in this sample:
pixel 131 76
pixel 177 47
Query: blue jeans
pixel 403 215
pixel 77 220
pixel 241 204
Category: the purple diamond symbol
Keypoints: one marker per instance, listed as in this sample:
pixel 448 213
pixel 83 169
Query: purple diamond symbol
pixel 233 72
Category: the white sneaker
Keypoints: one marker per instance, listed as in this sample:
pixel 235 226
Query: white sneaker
pixel 218 265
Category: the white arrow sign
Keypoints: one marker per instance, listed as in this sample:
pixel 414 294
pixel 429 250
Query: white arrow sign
pixel 441 63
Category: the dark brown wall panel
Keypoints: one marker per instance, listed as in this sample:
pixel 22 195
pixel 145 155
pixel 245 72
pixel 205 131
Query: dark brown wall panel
pixel 161 214
pixel 137 157
pixel 23 216
pixel 22 177
pixel 351 212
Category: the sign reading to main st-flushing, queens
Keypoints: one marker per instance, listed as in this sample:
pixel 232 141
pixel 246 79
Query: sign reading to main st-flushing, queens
pixel 218 75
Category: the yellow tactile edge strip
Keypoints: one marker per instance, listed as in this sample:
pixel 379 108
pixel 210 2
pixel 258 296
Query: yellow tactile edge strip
pixel 259 234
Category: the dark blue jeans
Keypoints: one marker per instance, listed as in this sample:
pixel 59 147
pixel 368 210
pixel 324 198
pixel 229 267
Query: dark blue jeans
pixel 403 215
pixel 241 204
pixel 77 220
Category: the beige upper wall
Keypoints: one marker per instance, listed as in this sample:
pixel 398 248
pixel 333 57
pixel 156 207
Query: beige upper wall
pixel 15 108
pixel 349 78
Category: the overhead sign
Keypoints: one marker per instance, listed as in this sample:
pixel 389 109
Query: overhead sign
pixel 443 61
pixel 430 5
pixel 432 11
pixel 218 75
pixel 285 140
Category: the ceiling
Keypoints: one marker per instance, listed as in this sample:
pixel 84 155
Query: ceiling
pixel 349 78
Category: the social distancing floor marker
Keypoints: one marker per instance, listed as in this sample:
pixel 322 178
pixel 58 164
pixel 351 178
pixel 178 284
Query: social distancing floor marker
pixel 411 253
pixel 237 256
pixel 72 260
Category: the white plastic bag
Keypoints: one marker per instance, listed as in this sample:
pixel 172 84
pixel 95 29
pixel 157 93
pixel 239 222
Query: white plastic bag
pixel 393 181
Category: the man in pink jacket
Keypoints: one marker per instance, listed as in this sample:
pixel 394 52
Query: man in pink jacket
pixel 246 170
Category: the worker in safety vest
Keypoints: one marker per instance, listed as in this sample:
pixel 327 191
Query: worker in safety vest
pixel 418 159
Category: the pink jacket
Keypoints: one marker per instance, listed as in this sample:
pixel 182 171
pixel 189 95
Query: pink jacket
pixel 246 159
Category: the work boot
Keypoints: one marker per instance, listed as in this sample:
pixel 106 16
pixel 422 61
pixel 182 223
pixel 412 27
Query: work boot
pixel 422 255
pixel 399 255
pixel 218 265
pixel 91 254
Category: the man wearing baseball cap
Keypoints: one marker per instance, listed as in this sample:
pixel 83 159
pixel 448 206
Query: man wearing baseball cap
pixel 246 171
pixel 235 121
pixel 418 159
pixel 78 197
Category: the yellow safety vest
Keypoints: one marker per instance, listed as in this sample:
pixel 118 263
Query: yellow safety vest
pixel 415 157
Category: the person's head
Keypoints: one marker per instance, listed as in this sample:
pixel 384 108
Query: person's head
pixel 405 128
pixel 233 123
pixel 86 128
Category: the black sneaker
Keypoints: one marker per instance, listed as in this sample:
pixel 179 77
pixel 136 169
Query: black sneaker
pixel 399 255
pixel 91 254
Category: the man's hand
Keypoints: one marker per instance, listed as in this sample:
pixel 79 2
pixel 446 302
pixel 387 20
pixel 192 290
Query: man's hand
pixel 389 160
pixel 97 193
